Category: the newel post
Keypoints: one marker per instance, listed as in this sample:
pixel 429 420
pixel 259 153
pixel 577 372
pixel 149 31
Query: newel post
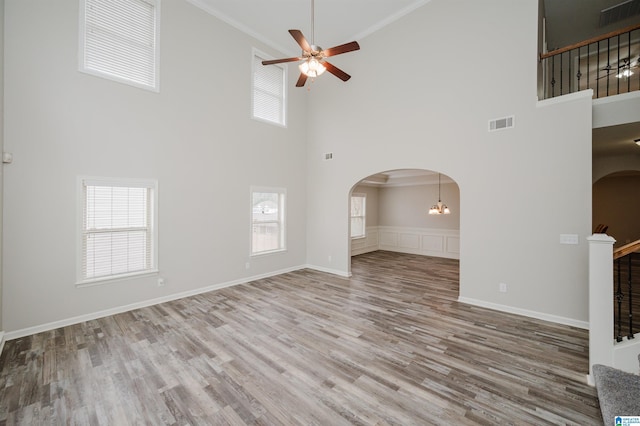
pixel 600 301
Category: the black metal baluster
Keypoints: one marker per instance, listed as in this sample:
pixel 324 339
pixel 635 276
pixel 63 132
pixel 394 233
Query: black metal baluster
pixel 630 335
pixel 588 64
pixel 561 67
pixel 618 67
pixel 598 72
pixel 629 56
pixel 619 297
pixel 608 63
pixel 553 76
pixel 578 74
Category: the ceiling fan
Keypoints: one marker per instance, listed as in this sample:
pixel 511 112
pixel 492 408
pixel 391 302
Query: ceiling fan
pixel 314 56
pixel 623 70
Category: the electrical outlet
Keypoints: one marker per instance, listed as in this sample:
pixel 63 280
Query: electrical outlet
pixel 502 288
pixel 247 265
pixel 160 282
pixel 329 258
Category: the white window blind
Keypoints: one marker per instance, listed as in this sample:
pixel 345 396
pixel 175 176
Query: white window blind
pixel 119 40
pixel 267 220
pixel 268 91
pixel 118 237
pixel 358 215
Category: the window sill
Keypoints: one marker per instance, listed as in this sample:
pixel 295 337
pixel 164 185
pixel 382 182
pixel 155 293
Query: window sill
pixel 115 278
pixel 265 253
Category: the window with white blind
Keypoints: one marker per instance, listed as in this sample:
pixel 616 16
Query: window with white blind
pixel 118 236
pixel 358 215
pixel 119 40
pixel 269 91
pixel 267 220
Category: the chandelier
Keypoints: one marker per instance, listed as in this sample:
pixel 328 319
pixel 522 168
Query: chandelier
pixel 439 208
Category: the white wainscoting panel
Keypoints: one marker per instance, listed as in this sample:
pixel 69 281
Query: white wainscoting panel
pixel 426 241
pixel 408 241
pixel 367 244
pixel 388 238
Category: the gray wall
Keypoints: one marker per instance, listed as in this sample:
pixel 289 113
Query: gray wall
pixel 195 137
pixel 409 206
pixel 417 111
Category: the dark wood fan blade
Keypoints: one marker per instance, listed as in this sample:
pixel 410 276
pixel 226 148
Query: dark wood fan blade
pixel 301 80
pixel 343 48
pixel 297 35
pixel 279 61
pixel 336 71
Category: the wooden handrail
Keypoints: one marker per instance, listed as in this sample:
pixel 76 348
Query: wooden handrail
pixel 626 249
pixel 589 41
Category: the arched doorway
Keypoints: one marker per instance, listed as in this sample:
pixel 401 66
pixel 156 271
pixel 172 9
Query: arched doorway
pixel 389 211
pixel 616 204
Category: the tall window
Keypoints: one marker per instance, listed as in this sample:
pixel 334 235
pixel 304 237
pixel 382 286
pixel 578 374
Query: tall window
pixel 119 40
pixel 358 215
pixel 118 232
pixel 269 91
pixel 267 220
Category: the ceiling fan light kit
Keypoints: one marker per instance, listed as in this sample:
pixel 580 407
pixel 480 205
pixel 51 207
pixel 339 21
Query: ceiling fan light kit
pixel 314 56
pixel 312 68
pixel 625 73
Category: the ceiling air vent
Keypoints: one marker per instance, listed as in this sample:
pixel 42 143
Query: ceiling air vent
pixel 619 12
pixel 501 123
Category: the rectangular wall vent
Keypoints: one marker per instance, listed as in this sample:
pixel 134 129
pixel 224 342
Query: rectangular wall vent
pixel 501 123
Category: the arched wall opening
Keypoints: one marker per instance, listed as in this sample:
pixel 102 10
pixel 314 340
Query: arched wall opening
pixel 396 217
pixel 616 204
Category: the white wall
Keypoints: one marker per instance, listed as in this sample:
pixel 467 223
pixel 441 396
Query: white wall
pixel 519 188
pixel 1 148
pixel 195 137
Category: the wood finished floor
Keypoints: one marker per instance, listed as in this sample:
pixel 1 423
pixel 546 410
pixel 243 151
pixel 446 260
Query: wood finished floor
pixel 389 346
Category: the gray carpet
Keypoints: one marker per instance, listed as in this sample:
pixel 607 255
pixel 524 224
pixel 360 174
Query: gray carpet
pixel 618 392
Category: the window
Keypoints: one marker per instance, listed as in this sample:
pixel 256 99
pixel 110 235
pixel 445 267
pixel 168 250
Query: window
pixel 269 84
pixel 267 220
pixel 358 215
pixel 119 40
pixel 118 233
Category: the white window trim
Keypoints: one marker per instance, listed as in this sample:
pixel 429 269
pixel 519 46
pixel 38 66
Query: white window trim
pixel 283 192
pixel 107 76
pixel 131 183
pixel 364 217
pixel 285 113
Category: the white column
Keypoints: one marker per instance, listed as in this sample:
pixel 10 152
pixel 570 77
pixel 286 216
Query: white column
pixel 600 301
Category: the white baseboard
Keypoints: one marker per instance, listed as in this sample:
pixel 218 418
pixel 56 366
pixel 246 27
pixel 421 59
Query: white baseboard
pixel 525 312
pixel 329 271
pixel 2 339
pixel 120 309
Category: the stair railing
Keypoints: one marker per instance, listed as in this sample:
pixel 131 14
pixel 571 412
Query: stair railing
pixel 609 64
pixel 626 260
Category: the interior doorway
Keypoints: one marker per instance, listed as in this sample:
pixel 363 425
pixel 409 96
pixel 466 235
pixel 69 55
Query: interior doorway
pixel 616 205
pixel 390 211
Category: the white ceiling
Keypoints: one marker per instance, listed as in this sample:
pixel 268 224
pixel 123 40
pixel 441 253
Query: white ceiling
pixel 336 21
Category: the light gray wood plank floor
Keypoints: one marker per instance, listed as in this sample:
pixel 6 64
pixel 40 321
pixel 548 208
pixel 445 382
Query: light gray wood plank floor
pixel 391 345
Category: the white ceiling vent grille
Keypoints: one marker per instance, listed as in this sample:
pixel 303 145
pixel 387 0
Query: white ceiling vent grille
pixel 501 123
